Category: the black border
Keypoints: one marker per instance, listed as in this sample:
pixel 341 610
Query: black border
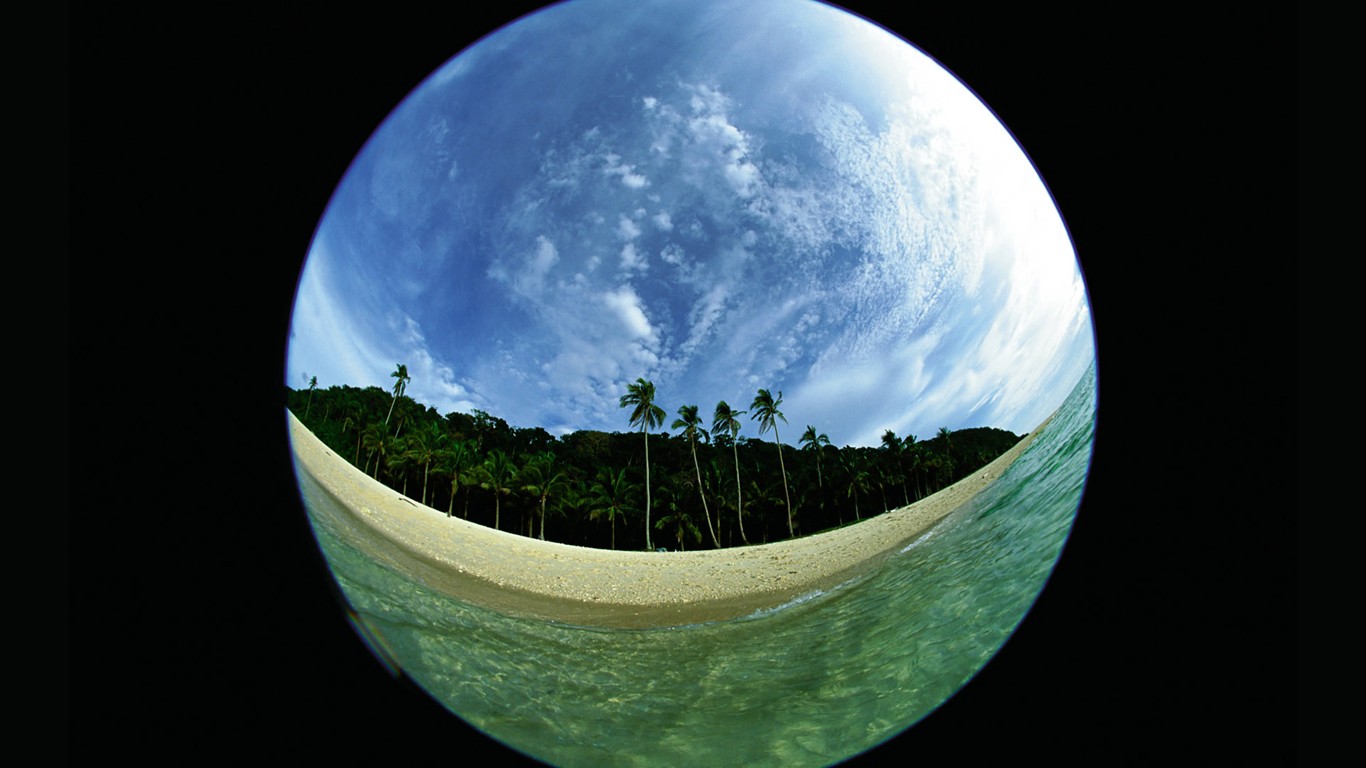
pixel 206 143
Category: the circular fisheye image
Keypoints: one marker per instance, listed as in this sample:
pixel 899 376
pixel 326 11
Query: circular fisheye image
pixel 691 382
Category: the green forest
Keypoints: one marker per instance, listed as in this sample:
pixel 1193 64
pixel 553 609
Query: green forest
pixel 699 484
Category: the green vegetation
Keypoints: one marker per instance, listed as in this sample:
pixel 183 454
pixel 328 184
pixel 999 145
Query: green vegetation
pixel 582 487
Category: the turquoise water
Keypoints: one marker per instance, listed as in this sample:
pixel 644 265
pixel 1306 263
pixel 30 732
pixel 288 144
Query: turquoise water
pixel 814 683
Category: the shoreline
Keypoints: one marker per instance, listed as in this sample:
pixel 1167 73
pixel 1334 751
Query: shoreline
pixel 520 576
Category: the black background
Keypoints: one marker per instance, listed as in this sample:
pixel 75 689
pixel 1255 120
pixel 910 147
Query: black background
pixel 205 142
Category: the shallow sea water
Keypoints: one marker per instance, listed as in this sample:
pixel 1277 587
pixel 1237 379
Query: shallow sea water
pixel 814 683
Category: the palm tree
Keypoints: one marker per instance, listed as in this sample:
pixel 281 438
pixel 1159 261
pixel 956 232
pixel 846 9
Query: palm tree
pixel 893 446
pixel 813 442
pixel 575 504
pixel 423 447
pixel 396 458
pixel 404 411
pixel 611 493
pixel 676 515
pixel 542 477
pixel 911 450
pixel 765 408
pixel 725 419
pixel 640 398
pixel 712 481
pixel 459 461
pixel 947 437
pixel 858 477
pixel 352 422
pixel 761 497
pixel 312 385
pixel 690 423
pixel 375 437
pixel 402 378
pixel 498 471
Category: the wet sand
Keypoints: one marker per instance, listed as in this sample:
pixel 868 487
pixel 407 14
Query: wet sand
pixel 597 587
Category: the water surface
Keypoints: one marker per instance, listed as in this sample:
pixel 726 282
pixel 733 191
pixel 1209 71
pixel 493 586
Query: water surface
pixel 813 683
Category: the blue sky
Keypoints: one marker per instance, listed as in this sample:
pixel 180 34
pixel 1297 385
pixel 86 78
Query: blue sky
pixel 715 196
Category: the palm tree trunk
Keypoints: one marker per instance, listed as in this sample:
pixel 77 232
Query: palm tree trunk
pixel 739 498
pixel 783 468
pixel 905 497
pixel 648 545
pixel 702 494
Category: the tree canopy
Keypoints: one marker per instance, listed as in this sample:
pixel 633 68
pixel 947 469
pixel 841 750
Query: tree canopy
pixel 713 487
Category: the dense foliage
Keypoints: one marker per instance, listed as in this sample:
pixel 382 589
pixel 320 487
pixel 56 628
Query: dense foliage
pixel 589 487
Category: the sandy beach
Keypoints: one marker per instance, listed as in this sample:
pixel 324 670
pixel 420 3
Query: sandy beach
pixel 596 587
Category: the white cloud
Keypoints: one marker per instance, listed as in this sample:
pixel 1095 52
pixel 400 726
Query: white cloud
pixel 632 260
pixel 627 229
pixel 726 146
pixel 614 167
pixel 546 255
pixel 627 308
pixel 672 254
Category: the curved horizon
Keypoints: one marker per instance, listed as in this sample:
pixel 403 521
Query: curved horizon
pixel 601 587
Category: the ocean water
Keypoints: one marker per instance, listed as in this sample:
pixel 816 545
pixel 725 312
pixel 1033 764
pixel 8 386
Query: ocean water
pixel 811 684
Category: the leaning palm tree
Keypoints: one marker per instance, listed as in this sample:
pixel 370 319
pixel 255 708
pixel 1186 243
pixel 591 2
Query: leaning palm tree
pixel 312 385
pixel 640 397
pixel 811 441
pixel 402 378
pixel 765 408
pixel 349 423
pixel 691 425
pixel 726 419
